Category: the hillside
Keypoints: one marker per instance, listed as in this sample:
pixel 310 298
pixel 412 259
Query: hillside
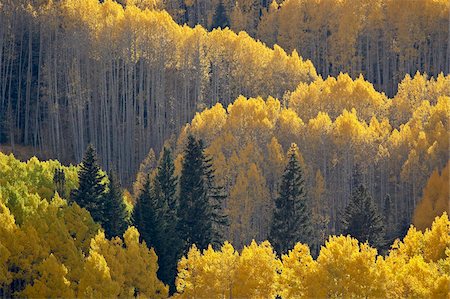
pixel 224 149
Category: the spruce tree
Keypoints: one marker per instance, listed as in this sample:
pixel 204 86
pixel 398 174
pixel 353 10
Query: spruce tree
pixel 145 216
pixel 196 211
pixel 90 193
pixel 216 195
pixel 389 224
pixel 362 220
pixel 292 215
pixel 169 251
pixel 115 220
pixel 220 18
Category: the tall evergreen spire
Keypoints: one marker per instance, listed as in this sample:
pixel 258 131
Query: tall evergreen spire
pixel 165 186
pixel 90 192
pixel 196 212
pixel 292 215
pixel 362 220
pixel 145 216
pixel 115 222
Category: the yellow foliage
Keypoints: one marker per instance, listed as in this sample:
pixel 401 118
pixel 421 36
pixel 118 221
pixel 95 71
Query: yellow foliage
pixel 435 199
pixel 52 282
pixel 347 268
pixel 226 273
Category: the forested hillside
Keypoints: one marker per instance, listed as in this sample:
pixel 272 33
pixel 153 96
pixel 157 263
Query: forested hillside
pixel 382 39
pixel 224 149
pixel 75 72
pixel 364 144
pixel 53 248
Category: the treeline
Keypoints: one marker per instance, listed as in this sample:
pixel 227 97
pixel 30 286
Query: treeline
pixel 369 145
pixel 416 267
pixel 125 79
pixel 51 247
pixel 384 39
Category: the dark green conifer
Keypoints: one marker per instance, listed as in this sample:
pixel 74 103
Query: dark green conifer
pixel 292 216
pixel 220 18
pixel 169 251
pixel 362 220
pixel 196 211
pixel 145 216
pixel 90 193
pixel 116 215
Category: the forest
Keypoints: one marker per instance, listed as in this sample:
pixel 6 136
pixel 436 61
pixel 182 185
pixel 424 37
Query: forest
pixel 224 149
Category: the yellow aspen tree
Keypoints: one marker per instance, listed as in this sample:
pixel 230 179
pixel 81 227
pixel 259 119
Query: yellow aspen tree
pixel 249 206
pixel 141 267
pixel 267 30
pixel 52 281
pixel 189 281
pixel 8 232
pixel 435 199
pixel 296 278
pixel 96 281
pixel 418 265
pixel 346 267
pixel 257 272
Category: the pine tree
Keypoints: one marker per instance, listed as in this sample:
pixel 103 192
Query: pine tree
pixel 90 193
pixel 220 18
pixel 362 219
pixel 216 195
pixel 196 211
pixel 165 185
pixel 391 229
pixel 115 221
pixel 145 216
pixel 292 215
pixel 59 179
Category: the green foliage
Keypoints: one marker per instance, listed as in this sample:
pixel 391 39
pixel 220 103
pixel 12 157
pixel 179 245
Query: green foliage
pixel 362 220
pixel 52 250
pixel 220 18
pixel 165 186
pixel 91 190
pixel 196 211
pixel 292 216
pixel 146 216
pixel 115 212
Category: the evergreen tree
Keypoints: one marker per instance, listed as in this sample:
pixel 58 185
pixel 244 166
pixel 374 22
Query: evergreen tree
pixel 292 216
pixel 90 193
pixel 115 220
pixel 145 216
pixel 59 179
pixel 196 209
pixel 391 229
pixel 169 251
pixel 220 18
pixel 362 220
pixel 216 195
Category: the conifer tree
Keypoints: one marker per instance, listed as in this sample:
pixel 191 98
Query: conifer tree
pixel 196 209
pixel 220 18
pixel 115 222
pixel 90 193
pixel 391 229
pixel 216 195
pixel 292 216
pixel 169 251
pixel 362 219
pixel 145 216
